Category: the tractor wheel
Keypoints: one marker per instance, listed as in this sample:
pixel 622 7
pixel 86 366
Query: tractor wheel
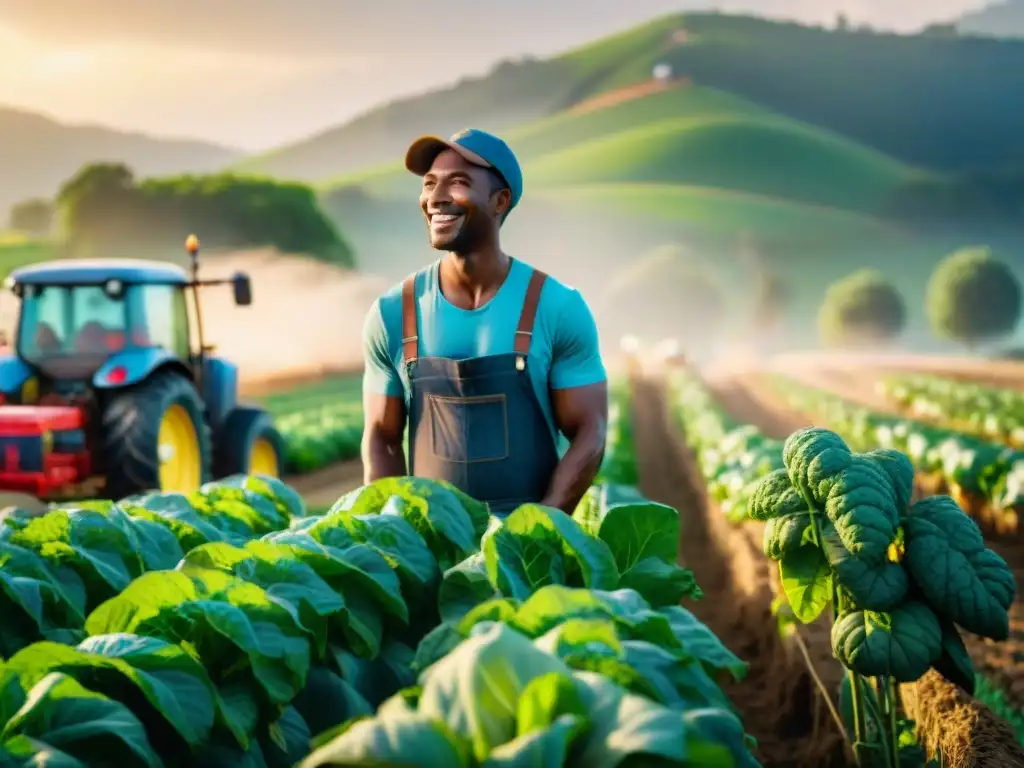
pixel 249 444
pixel 155 438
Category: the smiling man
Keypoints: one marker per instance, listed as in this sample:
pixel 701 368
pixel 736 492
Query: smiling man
pixel 486 359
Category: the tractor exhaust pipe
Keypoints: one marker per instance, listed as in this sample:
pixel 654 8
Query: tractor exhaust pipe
pixel 192 246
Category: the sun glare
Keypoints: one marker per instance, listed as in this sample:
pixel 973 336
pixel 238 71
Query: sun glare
pixel 63 64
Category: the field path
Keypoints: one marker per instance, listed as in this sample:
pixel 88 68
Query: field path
pixel 993 373
pixel 777 700
pixel 325 486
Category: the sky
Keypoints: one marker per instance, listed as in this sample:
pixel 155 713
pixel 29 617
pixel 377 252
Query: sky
pixel 256 73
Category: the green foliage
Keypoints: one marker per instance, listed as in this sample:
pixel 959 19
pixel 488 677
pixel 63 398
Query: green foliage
pixel 862 308
pixel 231 623
pixel 105 211
pixel 973 296
pixel 900 576
pixel 34 217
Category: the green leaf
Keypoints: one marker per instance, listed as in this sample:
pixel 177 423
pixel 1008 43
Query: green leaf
pixel 961 579
pixel 901 644
pixel 63 714
pixel 402 740
pixel 537 545
pixel 356 567
pixel 624 725
pixel 954 663
pixel 437 512
pixel 643 537
pixel 807 582
pixel 873 586
pixel 224 618
pixel 463 587
pixel 392 538
pixel 550 746
pixel 544 700
pixel 474 690
pixel 702 644
pixel 162 685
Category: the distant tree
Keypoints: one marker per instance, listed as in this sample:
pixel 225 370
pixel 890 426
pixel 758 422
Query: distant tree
pixel 973 297
pixel 34 217
pixel 842 22
pixel 105 211
pixel 861 309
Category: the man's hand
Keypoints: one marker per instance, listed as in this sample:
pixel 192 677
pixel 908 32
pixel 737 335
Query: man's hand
pixel 582 415
pixel 383 431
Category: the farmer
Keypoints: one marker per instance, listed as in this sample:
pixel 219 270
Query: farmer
pixel 484 357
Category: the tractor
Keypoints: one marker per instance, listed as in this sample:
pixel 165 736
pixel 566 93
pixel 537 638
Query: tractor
pixel 106 395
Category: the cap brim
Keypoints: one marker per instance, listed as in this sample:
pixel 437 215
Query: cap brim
pixel 423 152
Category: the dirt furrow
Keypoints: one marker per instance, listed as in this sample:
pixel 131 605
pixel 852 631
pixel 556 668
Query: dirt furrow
pixel 777 701
pixel 967 732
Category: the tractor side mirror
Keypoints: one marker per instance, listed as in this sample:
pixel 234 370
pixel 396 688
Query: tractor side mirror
pixel 242 286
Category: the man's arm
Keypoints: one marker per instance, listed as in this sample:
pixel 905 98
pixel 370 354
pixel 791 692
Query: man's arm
pixel 384 413
pixel 579 398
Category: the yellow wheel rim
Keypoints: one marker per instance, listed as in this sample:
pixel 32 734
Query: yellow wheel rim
pixel 178 448
pixel 263 458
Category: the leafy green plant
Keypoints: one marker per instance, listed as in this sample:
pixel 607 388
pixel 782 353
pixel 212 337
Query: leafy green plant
pixel 900 577
pixel 233 627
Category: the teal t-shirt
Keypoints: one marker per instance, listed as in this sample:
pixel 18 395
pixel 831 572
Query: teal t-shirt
pixel 564 351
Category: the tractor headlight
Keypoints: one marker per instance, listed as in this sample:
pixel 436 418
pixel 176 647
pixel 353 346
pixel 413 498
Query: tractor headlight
pixel 113 288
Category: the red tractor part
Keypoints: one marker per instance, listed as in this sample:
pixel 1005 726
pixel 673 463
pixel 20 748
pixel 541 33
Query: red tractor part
pixel 42 448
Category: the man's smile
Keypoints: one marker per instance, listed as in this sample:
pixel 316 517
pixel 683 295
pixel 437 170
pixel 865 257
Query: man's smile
pixel 444 222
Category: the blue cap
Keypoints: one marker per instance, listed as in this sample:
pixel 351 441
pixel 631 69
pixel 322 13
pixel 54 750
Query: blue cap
pixel 478 147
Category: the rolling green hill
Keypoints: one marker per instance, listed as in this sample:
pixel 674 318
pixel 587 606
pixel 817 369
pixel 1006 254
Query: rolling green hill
pixel 936 102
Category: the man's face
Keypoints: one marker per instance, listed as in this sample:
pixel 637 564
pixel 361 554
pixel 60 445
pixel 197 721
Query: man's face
pixel 460 204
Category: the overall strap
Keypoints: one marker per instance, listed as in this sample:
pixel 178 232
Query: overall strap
pixel 410 339
pixel 524 333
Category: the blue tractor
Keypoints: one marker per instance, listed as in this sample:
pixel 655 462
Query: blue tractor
pixel 112 391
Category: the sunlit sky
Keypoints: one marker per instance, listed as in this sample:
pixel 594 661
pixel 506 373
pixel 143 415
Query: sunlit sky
pixel 254 73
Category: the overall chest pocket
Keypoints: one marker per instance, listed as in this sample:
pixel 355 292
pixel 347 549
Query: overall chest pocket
pixel 467 430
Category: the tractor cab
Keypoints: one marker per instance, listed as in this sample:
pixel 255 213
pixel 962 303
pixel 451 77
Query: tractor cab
pixel 76 315
pixel 111 385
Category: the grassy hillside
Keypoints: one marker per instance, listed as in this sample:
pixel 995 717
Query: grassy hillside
pixel 942 103
pixel 38 154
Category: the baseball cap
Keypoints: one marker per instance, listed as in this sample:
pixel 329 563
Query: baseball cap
pixel 478 147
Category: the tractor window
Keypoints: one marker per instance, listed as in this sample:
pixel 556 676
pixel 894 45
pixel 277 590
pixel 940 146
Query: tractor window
pixel 166 318
pixel 69 320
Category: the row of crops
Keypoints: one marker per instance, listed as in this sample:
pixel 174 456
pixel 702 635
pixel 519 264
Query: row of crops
pixel 404 627
pixel 321 424
pixel 900 579
pixel 991 412
pixel 985 477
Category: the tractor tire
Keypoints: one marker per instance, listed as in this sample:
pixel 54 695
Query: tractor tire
pixel 131 426
pixel 249 444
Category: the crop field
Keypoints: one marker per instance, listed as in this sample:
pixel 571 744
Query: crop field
pixel 404 626
pixel 713 446
pixel 322 423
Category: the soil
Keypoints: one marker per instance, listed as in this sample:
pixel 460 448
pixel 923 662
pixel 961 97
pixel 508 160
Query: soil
pixel 323 487
pixel 968 733
pixel 777 701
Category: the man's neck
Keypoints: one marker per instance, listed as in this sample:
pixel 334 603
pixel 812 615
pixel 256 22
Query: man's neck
pixel 471 280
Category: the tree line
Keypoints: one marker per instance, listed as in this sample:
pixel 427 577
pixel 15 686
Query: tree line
pixel 104 210
pixel 972 297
